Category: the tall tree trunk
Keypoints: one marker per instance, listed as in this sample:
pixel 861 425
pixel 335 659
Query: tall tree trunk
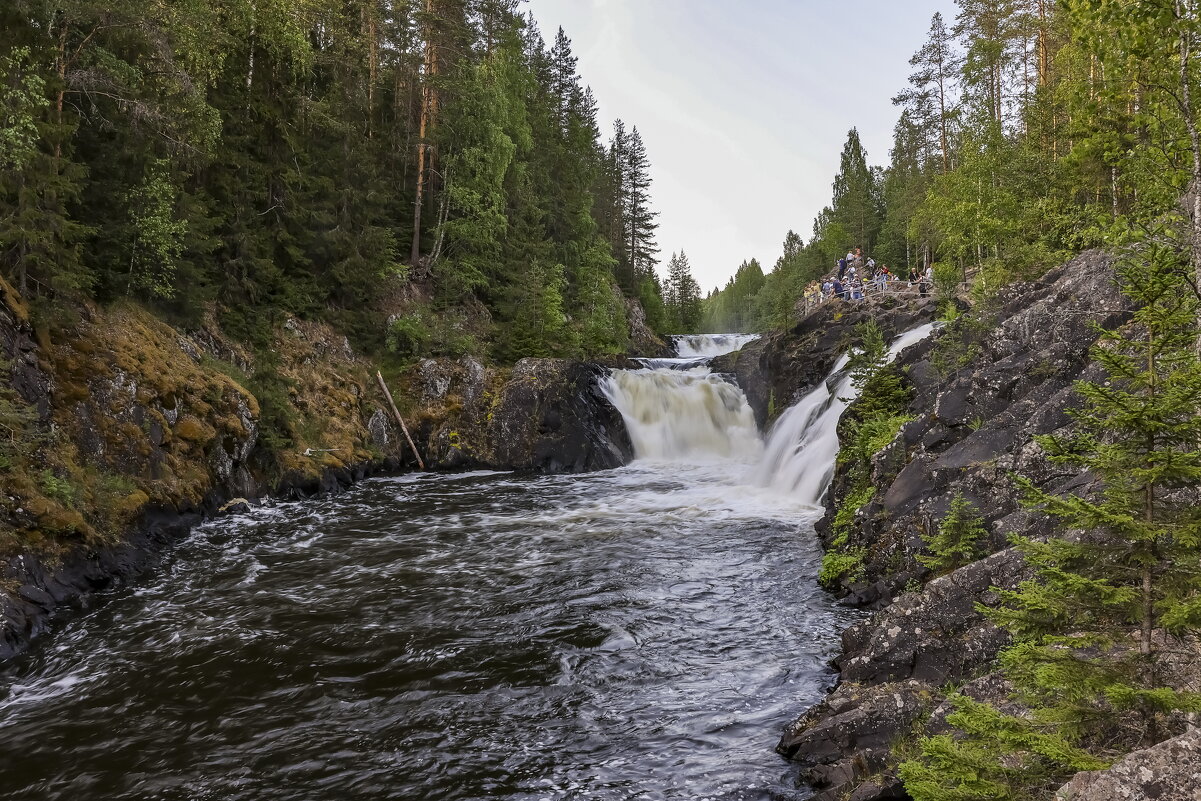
pixel 1044 47
pixel 61 70
pixel 942 110
pixel 1194 138
pixel 371 30
pixel 429 107
pixel 250 44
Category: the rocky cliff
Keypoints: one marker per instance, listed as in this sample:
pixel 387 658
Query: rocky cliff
pixel 118 432
pixel 981 390
pixel 778 369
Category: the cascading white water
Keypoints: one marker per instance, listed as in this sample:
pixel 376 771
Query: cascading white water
pixel 684 415
pixel 677 410
pixel 706 346
pixel 803 444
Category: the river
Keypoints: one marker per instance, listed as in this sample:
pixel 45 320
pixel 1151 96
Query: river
pixel 642 633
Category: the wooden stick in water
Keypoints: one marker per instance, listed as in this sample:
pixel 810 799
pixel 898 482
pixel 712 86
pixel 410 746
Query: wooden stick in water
pixel 399 419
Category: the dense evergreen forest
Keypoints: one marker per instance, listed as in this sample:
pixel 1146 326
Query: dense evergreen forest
pixel 1030 129
pixel 427 175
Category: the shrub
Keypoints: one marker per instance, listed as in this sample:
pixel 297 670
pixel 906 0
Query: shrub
pixel 958 539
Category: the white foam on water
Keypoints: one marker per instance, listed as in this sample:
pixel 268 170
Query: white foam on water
pixel 802 446
pixel 706 346
pixel 678 412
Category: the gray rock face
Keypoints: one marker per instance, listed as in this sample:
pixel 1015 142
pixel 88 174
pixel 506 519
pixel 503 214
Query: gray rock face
pixel 1170 771
pixel 980 396
pixel 551 417
pixel 975 421
pixel 643 340
pixel 544 415
pixel 934 636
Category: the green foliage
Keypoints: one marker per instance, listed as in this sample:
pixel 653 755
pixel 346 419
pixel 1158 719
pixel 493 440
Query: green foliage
pixel 425 332
pixel 969 767
pixel 536 323
pixel 59 489
pixel 960 341
pixel 868 354
pixel 265 156
pixel 22 99
pixel 871 424
pixel 278 420
pixel 841 565
pixel 682 297
pixel 158 235
pixel 957 541
pixel 408 336
pixel 844 517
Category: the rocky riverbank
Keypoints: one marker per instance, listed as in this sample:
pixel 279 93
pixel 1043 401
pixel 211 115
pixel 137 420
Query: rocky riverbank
pixel 123 432
pixel 982 389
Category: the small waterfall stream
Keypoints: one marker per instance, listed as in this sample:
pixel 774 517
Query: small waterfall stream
pixel 802 446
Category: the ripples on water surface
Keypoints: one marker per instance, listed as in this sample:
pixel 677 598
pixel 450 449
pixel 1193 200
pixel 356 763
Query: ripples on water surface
pixel 638 634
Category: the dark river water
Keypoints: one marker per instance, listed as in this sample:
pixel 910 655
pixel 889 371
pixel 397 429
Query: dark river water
pixel 638 634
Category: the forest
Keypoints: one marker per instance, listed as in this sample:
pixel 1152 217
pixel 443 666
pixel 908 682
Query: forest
pixel 1029 131
pixel 428 176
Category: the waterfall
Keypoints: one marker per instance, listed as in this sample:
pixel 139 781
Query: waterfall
pixel 706 346
pixel 684 415
pixel 678 410
pixel 802 446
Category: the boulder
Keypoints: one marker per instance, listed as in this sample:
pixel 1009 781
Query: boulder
pixel 1170 771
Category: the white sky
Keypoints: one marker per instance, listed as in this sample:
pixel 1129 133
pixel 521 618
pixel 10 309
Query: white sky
pixel 744 106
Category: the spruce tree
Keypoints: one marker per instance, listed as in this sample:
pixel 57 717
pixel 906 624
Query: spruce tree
pixel 683 295
pixel 856 201
pixel 640 221
pixel 957 541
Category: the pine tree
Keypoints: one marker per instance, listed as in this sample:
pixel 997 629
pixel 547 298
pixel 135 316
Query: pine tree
pixel 929 103
pixel 640 221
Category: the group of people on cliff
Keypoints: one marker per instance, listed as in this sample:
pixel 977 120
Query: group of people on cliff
pixel 856 277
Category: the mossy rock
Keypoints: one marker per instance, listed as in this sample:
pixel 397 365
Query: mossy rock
pixel 193 429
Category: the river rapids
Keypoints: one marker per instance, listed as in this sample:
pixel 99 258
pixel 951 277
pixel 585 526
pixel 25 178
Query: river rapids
pixel 641 633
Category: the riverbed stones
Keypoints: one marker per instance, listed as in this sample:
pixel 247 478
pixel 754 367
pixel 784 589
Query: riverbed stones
pixel 846 738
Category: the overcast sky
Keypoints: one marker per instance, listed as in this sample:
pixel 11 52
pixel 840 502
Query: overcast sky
pixel 744 107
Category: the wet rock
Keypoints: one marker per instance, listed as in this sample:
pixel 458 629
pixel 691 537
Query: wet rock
pixel 643 340
pixel 379 428
pixel 1170 771
pixel 779 369
pixel 846 738
pixel 436 378
pixel 236 506
pixel 551 417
